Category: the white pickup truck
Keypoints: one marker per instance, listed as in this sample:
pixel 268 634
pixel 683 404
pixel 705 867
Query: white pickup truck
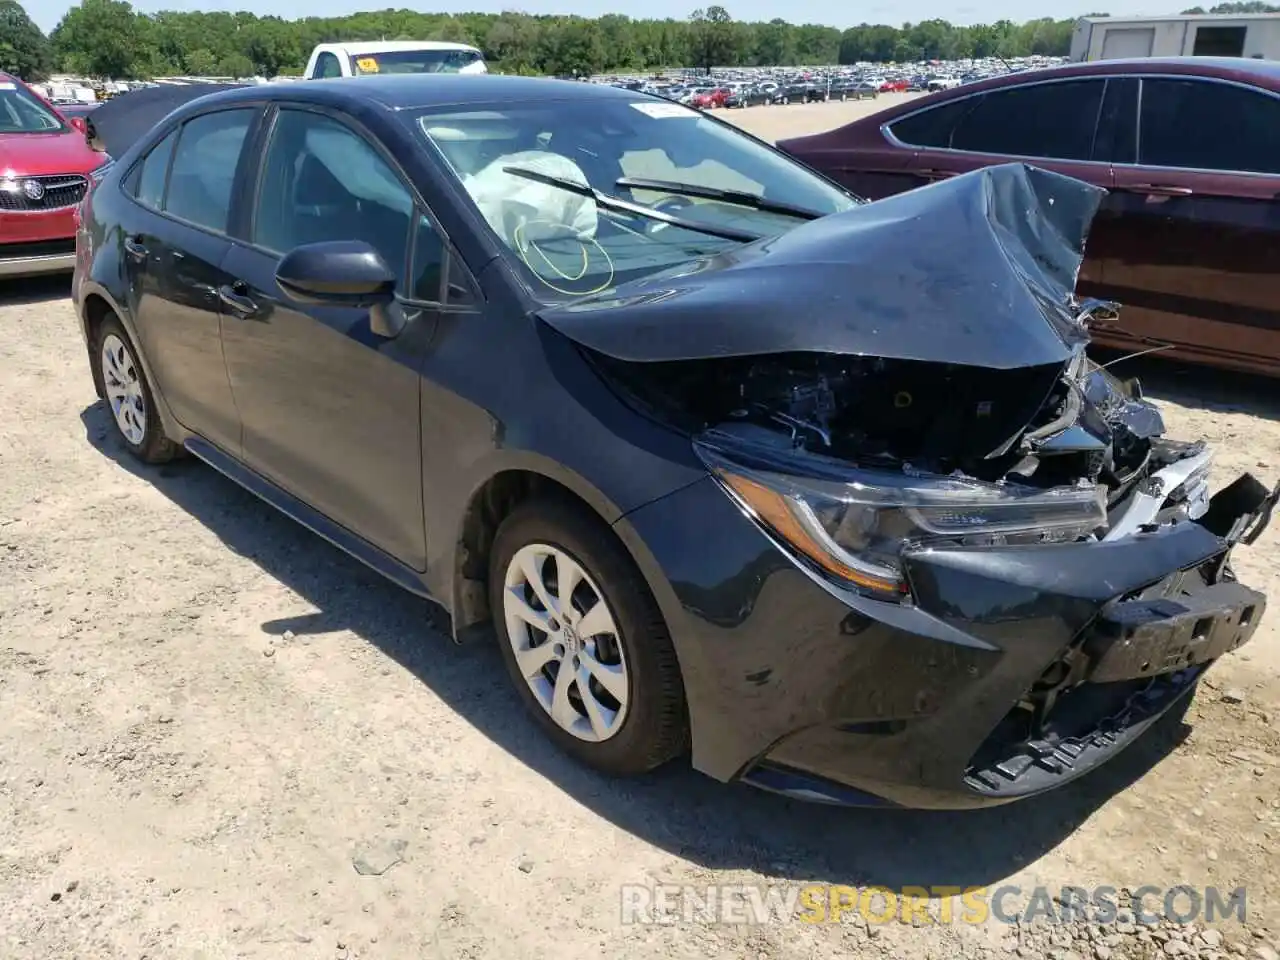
pixel 361 58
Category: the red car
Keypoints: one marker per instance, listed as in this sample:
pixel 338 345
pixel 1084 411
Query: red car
pixel 712 99
pixel 46 168
pixel 1188 237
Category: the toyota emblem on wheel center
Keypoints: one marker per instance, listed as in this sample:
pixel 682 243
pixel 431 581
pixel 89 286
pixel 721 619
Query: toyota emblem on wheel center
pixel 34 189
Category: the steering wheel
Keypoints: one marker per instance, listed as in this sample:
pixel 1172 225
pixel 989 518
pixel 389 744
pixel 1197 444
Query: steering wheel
pixel 672 205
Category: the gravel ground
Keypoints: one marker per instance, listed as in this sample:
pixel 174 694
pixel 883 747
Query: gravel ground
pixel 222 738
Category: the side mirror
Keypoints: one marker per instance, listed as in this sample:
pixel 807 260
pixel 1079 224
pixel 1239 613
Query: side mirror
pixel 339 273
pixel 77 123
pixel 343 273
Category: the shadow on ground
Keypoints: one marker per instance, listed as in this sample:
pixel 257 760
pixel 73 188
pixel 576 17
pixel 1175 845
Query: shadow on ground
pixel 689 815
pixel 29 290
pixel 1198 387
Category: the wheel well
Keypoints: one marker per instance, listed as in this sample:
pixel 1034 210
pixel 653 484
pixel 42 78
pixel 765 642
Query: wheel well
pixel 489 506
pixel 96 310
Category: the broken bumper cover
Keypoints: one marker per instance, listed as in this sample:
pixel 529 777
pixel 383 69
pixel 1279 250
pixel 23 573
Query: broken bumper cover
pixel 799 686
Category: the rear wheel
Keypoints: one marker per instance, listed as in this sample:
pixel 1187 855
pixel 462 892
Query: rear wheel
pixel 583 640
pixel 129 397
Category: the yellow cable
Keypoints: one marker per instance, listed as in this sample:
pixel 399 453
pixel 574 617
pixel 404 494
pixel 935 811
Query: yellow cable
pixel 521 242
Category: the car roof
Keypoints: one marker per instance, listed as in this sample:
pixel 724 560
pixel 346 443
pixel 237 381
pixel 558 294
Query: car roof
pixel 1263 73
pixel 392 46
pixel 412 90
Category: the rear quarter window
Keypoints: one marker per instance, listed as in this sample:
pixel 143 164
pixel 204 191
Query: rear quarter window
pixel 932 127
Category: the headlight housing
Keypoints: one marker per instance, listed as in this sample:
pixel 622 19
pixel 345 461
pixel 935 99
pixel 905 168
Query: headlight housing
pixel 853 525
pixel 97 174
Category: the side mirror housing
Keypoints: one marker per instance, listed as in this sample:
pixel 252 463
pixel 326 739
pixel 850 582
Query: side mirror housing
pixel 339 273
pixel 343 273
pixel 77 123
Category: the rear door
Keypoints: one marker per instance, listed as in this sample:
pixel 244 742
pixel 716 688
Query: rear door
pixel 175 241
pixel 1051 124
pixel 1196 239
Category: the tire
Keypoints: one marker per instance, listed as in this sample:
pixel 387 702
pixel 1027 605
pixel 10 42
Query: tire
pixel 128 395
pixel 651 728
pixel 844 97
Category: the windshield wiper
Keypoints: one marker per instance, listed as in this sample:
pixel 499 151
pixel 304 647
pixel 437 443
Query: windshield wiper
pixel 609 202
pixel 737 197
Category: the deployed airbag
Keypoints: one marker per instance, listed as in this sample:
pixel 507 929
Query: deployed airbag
pixel 522 210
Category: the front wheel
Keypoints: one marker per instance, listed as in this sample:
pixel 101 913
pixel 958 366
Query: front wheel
pixel 583 640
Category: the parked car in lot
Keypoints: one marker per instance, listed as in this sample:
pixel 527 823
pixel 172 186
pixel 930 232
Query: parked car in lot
pixel 1189 148
pixel 849 88
pixel 751 96
pixel 47 170
pixel 711 99
pixel 534 349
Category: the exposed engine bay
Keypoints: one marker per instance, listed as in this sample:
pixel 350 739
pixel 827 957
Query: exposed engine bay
pixel 1040 427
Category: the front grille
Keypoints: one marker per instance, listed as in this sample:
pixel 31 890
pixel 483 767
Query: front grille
pixel 32 194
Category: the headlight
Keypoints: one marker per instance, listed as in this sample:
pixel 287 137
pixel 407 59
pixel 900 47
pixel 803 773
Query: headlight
pixel 855 528
pixel 98 173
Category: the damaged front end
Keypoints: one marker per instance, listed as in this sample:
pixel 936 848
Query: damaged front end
pixel 906 383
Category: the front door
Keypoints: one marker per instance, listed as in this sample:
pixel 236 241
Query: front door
pixel 1194 225
pixel 174 244
pixel 330 410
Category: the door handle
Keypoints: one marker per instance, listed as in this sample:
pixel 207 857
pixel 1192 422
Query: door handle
pixel 1161 190
pixel 134 247
pixel 235 296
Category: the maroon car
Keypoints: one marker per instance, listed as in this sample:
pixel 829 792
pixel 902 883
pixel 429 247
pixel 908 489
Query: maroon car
pixel 1188 239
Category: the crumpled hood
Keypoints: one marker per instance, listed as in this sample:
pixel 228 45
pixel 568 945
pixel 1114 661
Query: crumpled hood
pixel 125 119
pixel 976 270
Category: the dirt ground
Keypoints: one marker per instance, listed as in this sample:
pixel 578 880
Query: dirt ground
pixel 219 737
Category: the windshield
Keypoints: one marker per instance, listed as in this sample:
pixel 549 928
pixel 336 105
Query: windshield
pixel 416 61
pixel 559 213
pixel 22 112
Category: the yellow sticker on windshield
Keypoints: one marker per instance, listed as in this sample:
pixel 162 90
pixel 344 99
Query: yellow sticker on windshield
pixel 366 64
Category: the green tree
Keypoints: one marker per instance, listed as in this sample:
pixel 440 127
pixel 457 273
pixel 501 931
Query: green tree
pixel 108 38
pixel 712 38
pixel 101 38
pixel 24 50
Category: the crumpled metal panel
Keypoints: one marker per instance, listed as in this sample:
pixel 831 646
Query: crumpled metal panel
pixel 978 270
pixel 125 119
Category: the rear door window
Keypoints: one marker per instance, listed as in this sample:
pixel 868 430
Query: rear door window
pixel 1208 125
pixel 204 167
pixel 1056 121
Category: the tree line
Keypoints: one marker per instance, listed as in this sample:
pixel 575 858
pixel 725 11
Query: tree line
pixel 109 39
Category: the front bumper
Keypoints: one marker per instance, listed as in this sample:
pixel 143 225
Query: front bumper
pixel 797 685
pixel 37 242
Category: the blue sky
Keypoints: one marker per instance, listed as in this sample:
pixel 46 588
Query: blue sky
pixel 796 11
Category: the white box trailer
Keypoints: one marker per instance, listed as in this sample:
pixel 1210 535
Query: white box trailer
pixel 1255 35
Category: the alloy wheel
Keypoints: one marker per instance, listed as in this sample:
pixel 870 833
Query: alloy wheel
pixel 124 389
pixel 566 642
